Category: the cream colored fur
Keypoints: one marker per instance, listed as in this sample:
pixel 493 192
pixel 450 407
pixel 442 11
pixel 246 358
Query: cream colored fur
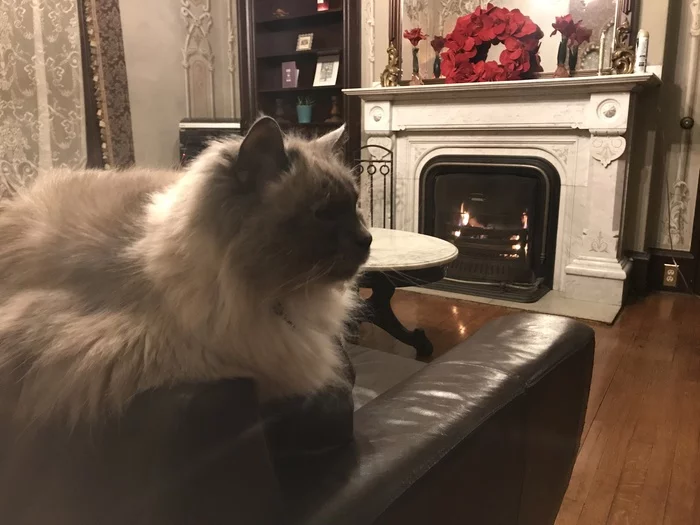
pixel 110 286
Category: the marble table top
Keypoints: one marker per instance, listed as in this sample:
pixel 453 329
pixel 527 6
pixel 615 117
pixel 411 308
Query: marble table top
pixel 396 250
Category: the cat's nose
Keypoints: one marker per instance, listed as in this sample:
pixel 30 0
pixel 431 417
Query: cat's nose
pixel 364 239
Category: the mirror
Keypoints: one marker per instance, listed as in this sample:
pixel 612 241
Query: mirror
pixel 438 17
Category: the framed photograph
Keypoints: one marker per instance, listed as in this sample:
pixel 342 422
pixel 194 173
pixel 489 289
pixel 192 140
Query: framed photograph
pixel 290 74
pixel 304 41
pixel 327 70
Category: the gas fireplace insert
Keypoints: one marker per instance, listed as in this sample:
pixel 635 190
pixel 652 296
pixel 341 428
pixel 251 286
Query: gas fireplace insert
pixel 501 213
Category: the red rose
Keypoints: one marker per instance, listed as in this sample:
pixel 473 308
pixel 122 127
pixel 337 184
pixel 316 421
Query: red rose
pixel 414 36
pixel 531 44
pixel 437 43
pixel 580 35
pixel 565 25
pixel 487 33
pixel 492 71
pixel 462 72
pixel 499 15
pixel 447 64
pixel 456 38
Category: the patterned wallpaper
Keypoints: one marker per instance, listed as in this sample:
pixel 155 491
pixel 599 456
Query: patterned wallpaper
pixel 42 121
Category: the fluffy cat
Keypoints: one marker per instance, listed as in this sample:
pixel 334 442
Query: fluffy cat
pixel 112 282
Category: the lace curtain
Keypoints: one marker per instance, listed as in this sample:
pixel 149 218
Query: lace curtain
pixel 42 117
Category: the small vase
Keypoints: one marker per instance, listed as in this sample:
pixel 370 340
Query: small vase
pixel 573 59
pixel 561 71
pixel 304 114
pixel 416 80
pixel 436 65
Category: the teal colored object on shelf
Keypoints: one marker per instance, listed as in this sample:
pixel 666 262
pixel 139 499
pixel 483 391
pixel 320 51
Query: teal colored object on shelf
pixel 304 114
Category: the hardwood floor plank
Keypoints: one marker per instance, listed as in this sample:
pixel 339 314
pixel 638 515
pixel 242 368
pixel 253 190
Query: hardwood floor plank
pixel 619 414
pixel 658 425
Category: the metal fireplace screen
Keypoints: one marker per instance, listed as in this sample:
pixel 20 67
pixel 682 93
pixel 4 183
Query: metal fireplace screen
pixel 501 214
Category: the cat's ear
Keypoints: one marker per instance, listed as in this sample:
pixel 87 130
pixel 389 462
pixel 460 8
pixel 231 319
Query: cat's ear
pixel 261 156
pixel 333 140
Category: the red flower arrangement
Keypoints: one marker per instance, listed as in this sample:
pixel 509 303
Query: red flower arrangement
pixel 580 35
pixel 564 25
pixel 414 36
pixel 437 43
pixel 573 34
pixel 474 34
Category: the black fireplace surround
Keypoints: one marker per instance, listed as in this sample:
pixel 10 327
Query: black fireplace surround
pixel 501 212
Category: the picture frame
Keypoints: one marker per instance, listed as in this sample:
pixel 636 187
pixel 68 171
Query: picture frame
pixel 327 68
pixel 304 41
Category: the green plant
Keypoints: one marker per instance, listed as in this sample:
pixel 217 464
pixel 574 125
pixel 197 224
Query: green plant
pixel 305 101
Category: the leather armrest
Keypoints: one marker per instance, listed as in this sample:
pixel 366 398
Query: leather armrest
pixel 473 437
pixel 182 455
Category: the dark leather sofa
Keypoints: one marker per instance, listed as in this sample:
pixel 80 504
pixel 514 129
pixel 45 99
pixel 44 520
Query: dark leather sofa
pixel 486 434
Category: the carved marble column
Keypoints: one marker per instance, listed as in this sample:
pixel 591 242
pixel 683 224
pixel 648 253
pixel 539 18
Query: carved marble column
pixel 598 267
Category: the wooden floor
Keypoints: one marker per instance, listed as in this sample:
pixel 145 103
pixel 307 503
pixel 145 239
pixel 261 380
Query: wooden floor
pixel 639 462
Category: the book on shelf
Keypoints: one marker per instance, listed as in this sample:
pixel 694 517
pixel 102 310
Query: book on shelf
pixel 290 75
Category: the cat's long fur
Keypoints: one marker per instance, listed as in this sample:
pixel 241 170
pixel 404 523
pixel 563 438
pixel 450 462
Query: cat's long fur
pixel 115 282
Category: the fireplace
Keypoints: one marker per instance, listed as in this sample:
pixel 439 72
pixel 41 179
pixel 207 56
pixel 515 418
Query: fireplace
pixel 501 212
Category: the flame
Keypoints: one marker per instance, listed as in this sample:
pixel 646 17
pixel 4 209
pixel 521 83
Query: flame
pixel 516 247
pixel 457 233
pixel 515 237
pixel 464 221
pixel 524 220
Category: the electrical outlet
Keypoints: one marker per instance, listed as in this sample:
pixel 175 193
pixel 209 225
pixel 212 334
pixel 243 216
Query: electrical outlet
pixel 670 275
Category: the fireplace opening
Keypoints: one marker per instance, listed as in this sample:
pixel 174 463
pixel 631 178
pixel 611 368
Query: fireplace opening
pixel 501 213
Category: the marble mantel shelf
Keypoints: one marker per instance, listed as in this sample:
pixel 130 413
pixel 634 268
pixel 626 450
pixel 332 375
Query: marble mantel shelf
pixel 519 88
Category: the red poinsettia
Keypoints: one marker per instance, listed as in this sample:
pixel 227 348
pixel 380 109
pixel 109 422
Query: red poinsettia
pixel 564 25
pixel 414 36
pixel 437 43
pixel 467 46
pixel 580 35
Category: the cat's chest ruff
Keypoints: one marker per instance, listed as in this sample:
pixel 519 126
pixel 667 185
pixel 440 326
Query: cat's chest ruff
pixel 278 310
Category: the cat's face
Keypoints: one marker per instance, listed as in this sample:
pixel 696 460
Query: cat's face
pixel 292 210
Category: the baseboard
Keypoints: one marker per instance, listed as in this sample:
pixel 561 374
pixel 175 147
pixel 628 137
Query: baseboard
pixel 637 284
pixel 687 266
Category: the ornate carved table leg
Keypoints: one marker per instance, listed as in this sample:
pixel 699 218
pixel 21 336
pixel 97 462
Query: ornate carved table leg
pixel 379 313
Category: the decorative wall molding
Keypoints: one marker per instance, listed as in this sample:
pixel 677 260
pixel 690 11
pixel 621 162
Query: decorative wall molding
pixel 607 149
pixel 678 219
pixel 695 18
pixel 198 58
pixel 370 22
pixel 232 42
pixel 598 244
pixel 678 213
pixel 562 154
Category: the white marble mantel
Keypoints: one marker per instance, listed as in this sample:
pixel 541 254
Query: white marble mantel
pixel 580 125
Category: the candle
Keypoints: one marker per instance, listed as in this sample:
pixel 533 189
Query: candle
pixel 601 52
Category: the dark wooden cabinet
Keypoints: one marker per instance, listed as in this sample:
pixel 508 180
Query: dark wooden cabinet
pixel 268 32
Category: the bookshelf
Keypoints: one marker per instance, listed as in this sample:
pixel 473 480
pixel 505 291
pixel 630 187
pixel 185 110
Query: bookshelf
pixel 268 32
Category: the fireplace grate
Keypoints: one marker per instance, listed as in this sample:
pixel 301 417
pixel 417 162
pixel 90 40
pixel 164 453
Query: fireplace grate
pixel 496 211
pixel 492 255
